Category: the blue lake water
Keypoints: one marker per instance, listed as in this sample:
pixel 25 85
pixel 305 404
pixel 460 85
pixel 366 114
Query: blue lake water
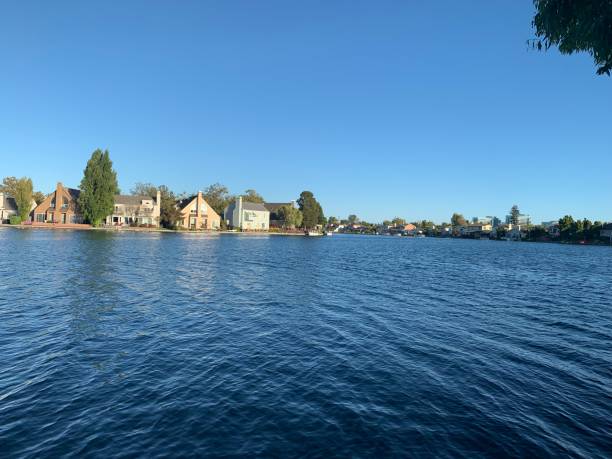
pixel 157 345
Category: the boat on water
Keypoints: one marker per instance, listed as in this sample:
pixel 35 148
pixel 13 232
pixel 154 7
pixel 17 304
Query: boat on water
pixel 313 233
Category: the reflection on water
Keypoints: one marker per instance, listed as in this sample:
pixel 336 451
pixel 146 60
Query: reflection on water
pixel 185 344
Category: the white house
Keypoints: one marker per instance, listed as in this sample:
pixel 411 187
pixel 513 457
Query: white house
pixel 247 216
pixel 135 210
pixel 8 207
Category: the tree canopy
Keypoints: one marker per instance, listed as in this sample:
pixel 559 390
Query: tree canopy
pixel 312 212
pixel 9 186
pixel 574 26
pixel 252 196
pixel 353 219
pixel 144 189
pixel 290 215
pixel 218 197
pixel 22 191
pixel 38 197
pixel 98 188
pixel 169 214
pixel 458 220
pixel 23 197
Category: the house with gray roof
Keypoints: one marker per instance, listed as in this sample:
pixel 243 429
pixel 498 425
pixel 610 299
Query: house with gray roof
pixel 247 216
pixel 8 207
pixel 135 211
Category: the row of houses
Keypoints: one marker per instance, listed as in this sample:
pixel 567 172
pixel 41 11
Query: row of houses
pixel 61 207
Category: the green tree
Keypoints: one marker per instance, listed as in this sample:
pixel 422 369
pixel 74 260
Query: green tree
pixel 353 219
pixel 457 220
pixel 144 189
pixel 566 227
pixel 23 197
pixel 312 212
pixel 169 213
pixel 98 188
pixel 332 221
pixel 398 221
pixel 9 186
pixel 252 196
pixel 574 26
pixel 39 197
pixel 514 215
pixel 290 215
pixel 218 197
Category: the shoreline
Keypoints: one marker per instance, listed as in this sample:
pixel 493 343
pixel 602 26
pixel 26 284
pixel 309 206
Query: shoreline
pixel 260 233
pixel 146 230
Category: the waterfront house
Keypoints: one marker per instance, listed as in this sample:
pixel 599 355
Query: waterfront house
pixel 247 216
pixel 275 220
pixel 135 211
pixel 61 206
pixel 606 231
pixel 476 230
pixel 196 214
pixel 552 228
pixel 8 207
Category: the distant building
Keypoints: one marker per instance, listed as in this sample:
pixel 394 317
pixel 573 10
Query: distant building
pixel 8 207
pixel 606 231
pixel 476 229
pixel 247 216
pixel 552 228
pixel 135 210
pixel 61 206
pixel 197 214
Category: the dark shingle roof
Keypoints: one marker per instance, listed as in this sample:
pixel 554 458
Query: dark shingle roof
pixel 10 203
pixel 254 206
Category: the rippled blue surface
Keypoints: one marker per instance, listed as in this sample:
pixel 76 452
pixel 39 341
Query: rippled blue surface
pixel 164 345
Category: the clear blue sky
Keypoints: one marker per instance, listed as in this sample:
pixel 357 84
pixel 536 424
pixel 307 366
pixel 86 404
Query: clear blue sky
pixel 381 108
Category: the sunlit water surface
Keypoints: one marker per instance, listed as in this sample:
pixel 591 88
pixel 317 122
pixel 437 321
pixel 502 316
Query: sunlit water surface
pixel 164 345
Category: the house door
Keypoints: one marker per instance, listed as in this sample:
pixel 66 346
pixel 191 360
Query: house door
pixel 64 219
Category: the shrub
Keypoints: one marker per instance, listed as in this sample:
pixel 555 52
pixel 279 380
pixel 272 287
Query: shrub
pixel 15 220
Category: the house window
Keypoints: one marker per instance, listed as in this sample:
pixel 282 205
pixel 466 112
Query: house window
pixel 40 218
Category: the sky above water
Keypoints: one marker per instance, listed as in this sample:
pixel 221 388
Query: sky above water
pixel 381 108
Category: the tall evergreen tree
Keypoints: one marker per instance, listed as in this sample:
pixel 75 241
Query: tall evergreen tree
pixel 312 212
pixel 98 188
pixel 515 215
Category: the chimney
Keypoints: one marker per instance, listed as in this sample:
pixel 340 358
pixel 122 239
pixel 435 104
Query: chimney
pixel 239 212
pixel 158 200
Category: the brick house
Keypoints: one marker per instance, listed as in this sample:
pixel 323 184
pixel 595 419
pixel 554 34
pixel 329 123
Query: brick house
pixel 197 214
pixel 61 206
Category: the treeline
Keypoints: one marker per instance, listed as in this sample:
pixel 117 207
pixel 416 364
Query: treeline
pixel 570 230
pixel 99 187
